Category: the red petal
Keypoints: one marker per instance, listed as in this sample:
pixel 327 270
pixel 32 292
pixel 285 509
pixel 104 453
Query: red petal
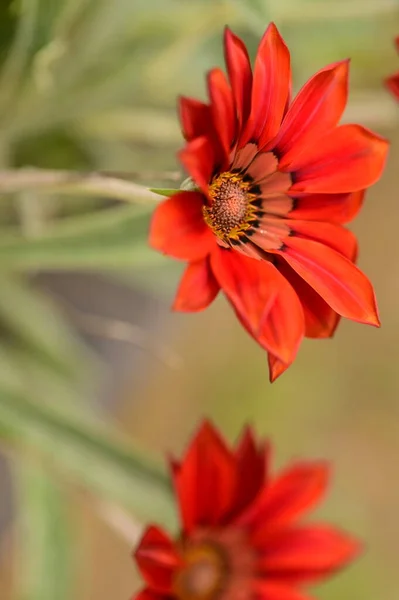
pixel 157 559
pixel 276 366
pixel 270 590
pixel 178 227
pixel 222 107
pixel 308 553
pixel 266 303
pixel 347 159
pixel 198 287
pixel 290 495
pixel 320 319
pixel 147 595
pixel 316 109
pixel 393 84
pixel 271 88
pixel 240 74
pixel 195 117
pixel 336 237
pixel 198 158
pixel 338 208
pixel 251 469
pixel 205 480
pixel 342 285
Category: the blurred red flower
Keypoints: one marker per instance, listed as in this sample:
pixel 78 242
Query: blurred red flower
pixel 273 183
pixel 240 536
pixel 393 81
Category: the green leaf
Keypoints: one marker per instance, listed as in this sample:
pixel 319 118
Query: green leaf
pixel 29 319
pixel 45 550
pixel 111 238
pixel 84 449
pixel 164 191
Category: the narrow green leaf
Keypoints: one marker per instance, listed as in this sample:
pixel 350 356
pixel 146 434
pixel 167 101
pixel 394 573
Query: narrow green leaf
pixel 92 454
pixel 110 238
pixel 31 320
pixel 164 191
pixel 45 549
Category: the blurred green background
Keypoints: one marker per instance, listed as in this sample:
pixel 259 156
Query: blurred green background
pixel 94 370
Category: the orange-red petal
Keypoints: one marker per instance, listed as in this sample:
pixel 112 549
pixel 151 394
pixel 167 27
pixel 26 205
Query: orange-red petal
pixel 252 467
pixel 178 228
pixel 308 553
pixel 316 109
pixel 393 84
pixel 240 74
pixel 195 117
pixel 147 594
pixel 338 208
pixel 198 157
pixel 205 480
pixel 277 366
pixel 349 158
pixel 336 237
pixel 291 494
pixel 270 89
pixel 157 559
pixel 264 300
pixel 222 110
pixel 320 319
pixel 342 285
pixel 198 287
pixel 272 590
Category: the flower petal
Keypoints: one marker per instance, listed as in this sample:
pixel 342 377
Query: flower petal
pixel 270 89
pixel 195 117
pixel 205 480
pixel 252 466
pixel 178 227
pixel 308 553
pixel 147 594
pixel 276 366
pixel 336 237
pixel 342 285
pixel 349 158
pixel 157 559
pixel 198 287
pixel 338 208
pixel 198 158
pixel 316 109
pixel 266 303
pixel 271 590
pixel 321 320
pixel 222 109
pixel 393 84
pixel 292 493
pixel 240 73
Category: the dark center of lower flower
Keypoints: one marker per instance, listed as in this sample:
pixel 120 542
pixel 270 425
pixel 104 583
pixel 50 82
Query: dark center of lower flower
pixel 231 210
pixel 202 576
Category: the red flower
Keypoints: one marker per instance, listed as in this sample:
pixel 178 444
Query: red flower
pixel 240 537
pixel 393 81
pixel 275 181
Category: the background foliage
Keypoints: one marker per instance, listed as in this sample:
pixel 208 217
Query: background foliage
pixel 89 86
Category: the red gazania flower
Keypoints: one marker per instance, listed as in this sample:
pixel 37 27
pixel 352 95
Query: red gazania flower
pixel 393 81
pixel 273 183
pixel 240 538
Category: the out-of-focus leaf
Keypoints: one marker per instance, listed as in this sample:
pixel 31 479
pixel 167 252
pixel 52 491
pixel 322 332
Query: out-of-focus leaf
pixel 89 452
pixel 29 318
pixel 164 191
pixel 45 550
pixel 19 53
pixel 111 238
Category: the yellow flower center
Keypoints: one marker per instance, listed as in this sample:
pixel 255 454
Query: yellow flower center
pixel 231 211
